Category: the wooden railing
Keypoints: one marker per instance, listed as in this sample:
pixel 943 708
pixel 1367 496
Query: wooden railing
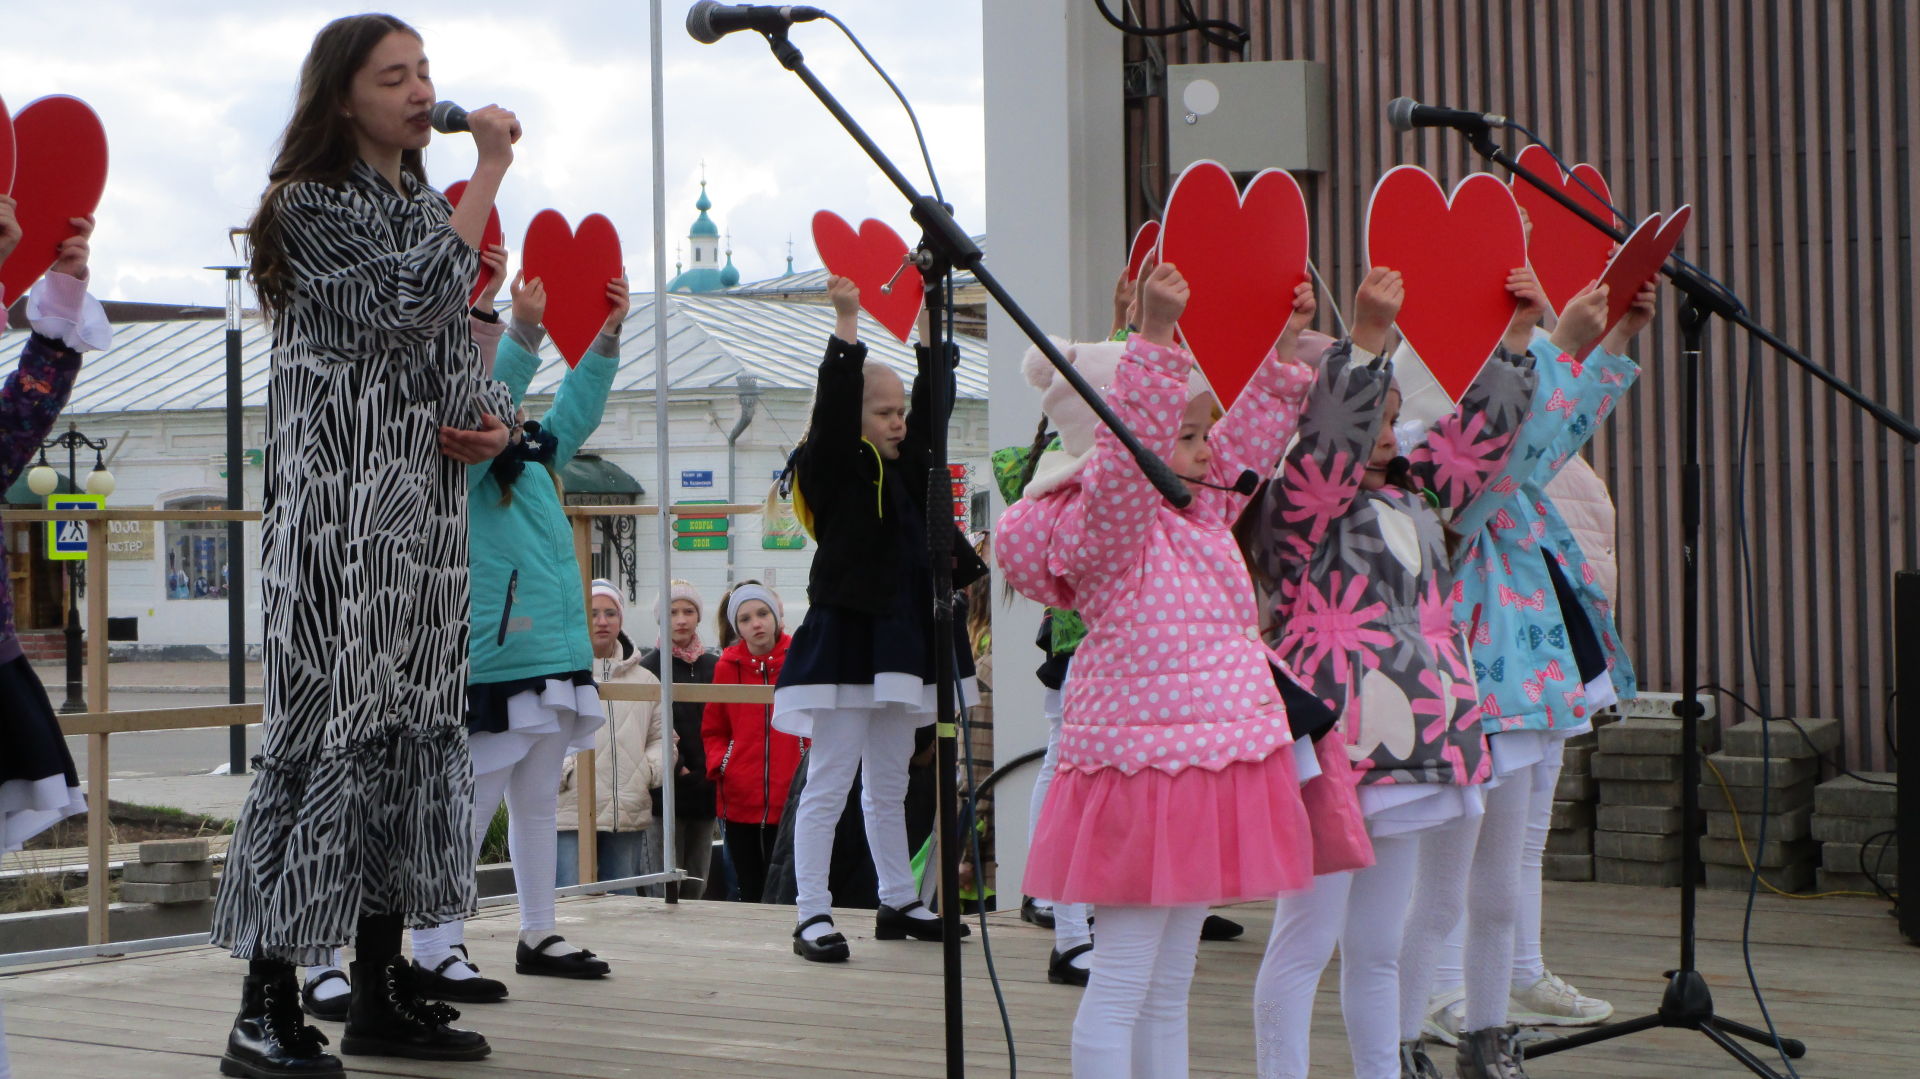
pixel 99 722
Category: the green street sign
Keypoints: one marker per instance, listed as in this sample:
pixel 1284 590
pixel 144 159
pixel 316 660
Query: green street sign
pixel 700 543
pixel 700 524
pixel 772 542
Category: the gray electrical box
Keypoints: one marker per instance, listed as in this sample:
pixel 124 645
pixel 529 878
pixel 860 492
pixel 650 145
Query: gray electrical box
pixel 1249 116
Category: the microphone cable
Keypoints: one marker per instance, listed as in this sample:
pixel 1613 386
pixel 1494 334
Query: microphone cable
pixel 1221 32
pixel 919 137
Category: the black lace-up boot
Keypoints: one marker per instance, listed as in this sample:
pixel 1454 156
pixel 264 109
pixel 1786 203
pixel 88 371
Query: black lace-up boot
pixel 389 1018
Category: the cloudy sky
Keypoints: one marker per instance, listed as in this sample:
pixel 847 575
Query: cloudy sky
pixel 194 95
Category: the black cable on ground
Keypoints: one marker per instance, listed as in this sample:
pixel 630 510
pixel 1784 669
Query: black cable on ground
pixel 980 881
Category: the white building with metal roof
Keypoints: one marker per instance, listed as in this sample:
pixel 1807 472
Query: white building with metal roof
pixel 159 397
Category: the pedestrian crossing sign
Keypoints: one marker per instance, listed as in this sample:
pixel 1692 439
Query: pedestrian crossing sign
pixel 67 540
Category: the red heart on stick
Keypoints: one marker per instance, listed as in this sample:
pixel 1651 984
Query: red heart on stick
pixel 1565 252
pixel 1242 256
pixel 59 172
pixel 575 267
pixel 6 149
pixel 1637 261
pixel 1454 253
pixel 871 258
pixel 489 236
pixel 1143 243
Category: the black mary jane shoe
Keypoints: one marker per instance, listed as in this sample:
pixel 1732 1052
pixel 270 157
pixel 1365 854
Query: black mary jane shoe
pixel 575 964
pixel 1218 928
pixel 269 1040
pixel 435 985
pixel 334 1008
pixel 890 923
pixel 1060 968
pixel 389 1018
pixel 831 948
pixel 1035 914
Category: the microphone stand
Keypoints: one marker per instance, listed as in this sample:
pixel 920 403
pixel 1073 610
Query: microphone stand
pixel 944 246
pixel 1688 1003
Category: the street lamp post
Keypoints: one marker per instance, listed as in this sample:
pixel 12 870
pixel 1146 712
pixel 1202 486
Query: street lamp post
pixel 99 482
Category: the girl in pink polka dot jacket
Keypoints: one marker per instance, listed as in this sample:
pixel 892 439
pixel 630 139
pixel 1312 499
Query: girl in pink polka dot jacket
pixel 1177 787
pixel 1352 544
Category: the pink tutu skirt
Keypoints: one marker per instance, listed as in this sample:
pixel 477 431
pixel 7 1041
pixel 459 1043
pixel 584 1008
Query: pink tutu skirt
pixel 1332 798
pixel 1153 839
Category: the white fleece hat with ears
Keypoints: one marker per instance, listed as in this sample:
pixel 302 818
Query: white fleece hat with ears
pixel 1069 413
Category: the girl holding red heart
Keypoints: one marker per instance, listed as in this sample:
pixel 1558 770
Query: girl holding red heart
pixel 38 784
pixel 859 676
pixel 359 820
pixel 1351 540
pixel 1179 783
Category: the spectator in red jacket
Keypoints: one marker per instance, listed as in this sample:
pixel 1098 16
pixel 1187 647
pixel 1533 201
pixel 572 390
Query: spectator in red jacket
pixel 750 763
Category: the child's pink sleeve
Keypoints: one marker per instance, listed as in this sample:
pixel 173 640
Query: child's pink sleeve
pixel 1254 432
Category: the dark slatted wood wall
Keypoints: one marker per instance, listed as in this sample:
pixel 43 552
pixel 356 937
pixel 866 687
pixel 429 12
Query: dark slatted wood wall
pixel 1789 127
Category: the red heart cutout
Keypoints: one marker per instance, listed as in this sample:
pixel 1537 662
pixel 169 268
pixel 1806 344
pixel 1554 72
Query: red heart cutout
pixel 575 267
pixel 871 258
pixel 489 236
pixel 1566 253
pixel 1242 256
pixel 1638 260
pixel 6 149
pixel 1454 253
pixel 60 171
pixel 1143 243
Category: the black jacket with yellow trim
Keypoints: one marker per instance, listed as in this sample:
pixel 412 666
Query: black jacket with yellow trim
pixel 842 480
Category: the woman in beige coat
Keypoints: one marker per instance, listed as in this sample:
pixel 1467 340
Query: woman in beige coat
pixel 627 758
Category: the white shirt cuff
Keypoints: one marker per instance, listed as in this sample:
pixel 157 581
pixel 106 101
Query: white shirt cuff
pixel 60 307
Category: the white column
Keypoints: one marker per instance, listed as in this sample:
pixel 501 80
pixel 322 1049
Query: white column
pixel 1056 237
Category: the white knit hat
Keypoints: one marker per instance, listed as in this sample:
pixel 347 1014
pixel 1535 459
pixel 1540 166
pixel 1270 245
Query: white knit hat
pixel 681 590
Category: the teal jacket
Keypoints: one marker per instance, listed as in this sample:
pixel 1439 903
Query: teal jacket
pixel 529 541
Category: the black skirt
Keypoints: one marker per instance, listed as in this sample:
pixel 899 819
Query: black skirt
pixel 38 783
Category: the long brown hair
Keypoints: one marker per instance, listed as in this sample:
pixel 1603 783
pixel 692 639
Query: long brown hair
pixel 318 144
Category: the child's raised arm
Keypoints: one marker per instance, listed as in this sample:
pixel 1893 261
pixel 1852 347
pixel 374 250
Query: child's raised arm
pixel 1251 436
pixel 845 297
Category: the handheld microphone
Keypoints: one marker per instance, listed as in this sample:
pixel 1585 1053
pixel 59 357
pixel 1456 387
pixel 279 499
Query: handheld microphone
pixel 1405 114
pixel 708 21
pixel 449 118
pixel 1248 483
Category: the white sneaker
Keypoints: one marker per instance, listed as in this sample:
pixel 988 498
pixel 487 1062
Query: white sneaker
pixel 1447 1016
pixel 1552 1002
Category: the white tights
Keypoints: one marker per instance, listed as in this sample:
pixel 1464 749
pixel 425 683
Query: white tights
pixel 531 788
pixel 1529 962
pixel 1069 919
pixel 1482 872
pixel 6 1070
pixel 876 743
pixel 1132 1022
pixel 1363 912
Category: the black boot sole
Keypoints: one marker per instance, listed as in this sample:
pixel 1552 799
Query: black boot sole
pixel 230 1065
pixel 549 972
pixel 376 1047
pixel 1079 978
pixel 813 953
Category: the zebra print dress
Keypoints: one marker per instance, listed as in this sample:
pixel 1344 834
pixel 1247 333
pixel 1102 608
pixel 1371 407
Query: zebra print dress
pixel 364 793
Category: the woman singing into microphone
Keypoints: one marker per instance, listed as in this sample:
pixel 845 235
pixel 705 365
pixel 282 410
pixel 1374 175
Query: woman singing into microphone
pixel 358 822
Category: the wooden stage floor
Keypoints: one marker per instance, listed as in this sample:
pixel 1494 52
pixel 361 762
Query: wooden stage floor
pixel 712 990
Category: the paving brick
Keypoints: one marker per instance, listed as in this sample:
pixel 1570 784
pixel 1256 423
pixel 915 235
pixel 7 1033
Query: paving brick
pixel 1848 829
pixel 1847 857
pixel 1743 739
pixel 1771 856
pixel 166 872
pixel 1747 799
pixel 1570 841
pixel 1845 796
pixel 1798 877
pixel 173 850
pixel 1788 826
pixel 1635 846
pixel 1571 815
pixel 1583 740
pixel 1779 772
pixel 1574 787
pixel 1629 766
pixel 1577 867
pixel 1648 820
pixel 1627 792
pixel 197 891
pixel 1578 759
pixel 1641 736
pixel 1624 871
pixel 1829 881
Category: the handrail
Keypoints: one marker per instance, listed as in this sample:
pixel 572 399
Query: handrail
pixel 101 721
